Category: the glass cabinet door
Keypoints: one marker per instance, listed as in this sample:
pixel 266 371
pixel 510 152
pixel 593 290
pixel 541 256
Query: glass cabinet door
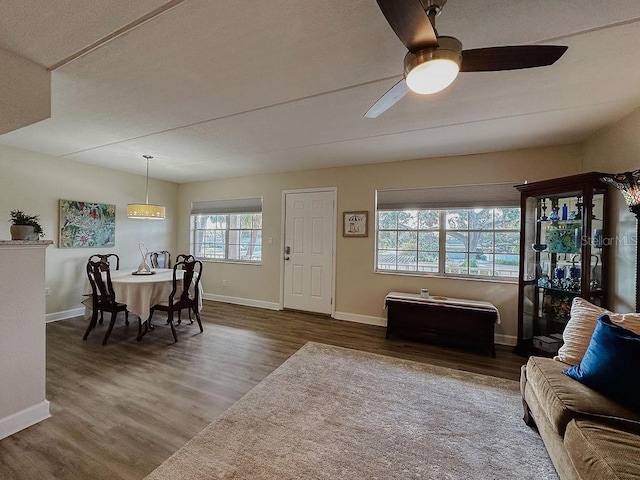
pixel 559 253
pixel 597 281
pixel 563 255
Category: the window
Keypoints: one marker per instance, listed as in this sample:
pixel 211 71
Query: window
pixel 227 230
pixel 408 240
pixel 417 234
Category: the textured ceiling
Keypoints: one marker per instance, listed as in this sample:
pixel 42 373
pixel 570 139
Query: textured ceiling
pixel 216 89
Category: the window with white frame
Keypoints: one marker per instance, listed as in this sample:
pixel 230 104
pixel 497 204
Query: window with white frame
pixel 436 232
pixel 227 230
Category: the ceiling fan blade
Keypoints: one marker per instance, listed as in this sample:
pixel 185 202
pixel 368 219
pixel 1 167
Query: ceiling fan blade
pixel 388 100
pixel 510 58
pixel 410 22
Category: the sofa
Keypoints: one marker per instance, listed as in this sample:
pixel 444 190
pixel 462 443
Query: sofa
pixel 587 433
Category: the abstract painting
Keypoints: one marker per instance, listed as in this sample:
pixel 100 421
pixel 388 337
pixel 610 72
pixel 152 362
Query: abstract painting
pixel 86 224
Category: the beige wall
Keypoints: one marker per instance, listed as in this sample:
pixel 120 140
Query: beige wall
pixel 34 183
pixel 617 149
pixel 360 292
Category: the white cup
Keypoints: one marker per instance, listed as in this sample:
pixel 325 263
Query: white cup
pixel 424 293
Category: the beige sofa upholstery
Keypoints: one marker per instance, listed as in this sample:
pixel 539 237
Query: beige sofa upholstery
pixel 587 435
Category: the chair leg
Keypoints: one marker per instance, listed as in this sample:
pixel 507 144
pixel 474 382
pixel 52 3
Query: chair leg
pixel 198 319
pixel 173 329
pixel 101 317
pixel 114 314
pixel 142 333
pixel 92 324
pixel 126 317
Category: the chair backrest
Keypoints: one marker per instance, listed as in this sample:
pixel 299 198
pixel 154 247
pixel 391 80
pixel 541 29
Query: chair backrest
pixel 185 257
pixel 111 259
pixel 191 276
pixel 99 274
pixel 160 259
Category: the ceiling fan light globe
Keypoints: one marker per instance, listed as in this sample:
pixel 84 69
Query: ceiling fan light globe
pixel 432 76
pixel 433 69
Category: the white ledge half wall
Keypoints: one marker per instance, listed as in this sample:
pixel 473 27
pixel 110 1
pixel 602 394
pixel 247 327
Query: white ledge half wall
pixel 23 339
pixel 25 92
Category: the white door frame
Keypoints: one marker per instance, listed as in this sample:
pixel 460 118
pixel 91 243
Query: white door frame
pixel 333 190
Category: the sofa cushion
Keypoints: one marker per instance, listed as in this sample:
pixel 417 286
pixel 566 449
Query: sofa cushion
pixel 600 452
pixel 611 364
pixel 578 331
pixel 562 397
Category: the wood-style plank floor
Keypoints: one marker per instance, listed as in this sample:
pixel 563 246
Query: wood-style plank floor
pixel 120 410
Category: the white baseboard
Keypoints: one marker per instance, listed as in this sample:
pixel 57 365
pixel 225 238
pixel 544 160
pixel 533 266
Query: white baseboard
pixel 23 419
pixel 367 319
pixel 54 317
pixel 247 302
pixel 509 340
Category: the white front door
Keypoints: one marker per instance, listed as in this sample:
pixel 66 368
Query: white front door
pixel 308 254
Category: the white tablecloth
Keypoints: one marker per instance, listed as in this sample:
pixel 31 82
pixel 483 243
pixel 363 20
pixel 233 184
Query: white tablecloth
pixel 141 292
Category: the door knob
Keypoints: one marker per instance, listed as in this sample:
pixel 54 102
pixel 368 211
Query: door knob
pixel 286 258
pixel 287 250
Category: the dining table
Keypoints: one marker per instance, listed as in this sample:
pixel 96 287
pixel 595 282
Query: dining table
pixel 140 292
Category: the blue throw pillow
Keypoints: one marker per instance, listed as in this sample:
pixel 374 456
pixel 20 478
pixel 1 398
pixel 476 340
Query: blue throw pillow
pixel 611 364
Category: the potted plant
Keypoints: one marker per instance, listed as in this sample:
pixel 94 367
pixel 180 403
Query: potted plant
pixel 25 227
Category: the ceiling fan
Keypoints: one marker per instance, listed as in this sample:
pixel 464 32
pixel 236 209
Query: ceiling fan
pixel 433 61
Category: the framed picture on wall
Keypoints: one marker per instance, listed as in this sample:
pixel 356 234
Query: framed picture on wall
pixel 355 224
pixel 86 224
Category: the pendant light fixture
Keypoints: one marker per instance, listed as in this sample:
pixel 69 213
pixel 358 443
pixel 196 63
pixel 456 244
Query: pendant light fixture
pixel 146 210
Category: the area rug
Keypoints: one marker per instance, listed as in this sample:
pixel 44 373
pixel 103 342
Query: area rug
pixel 334 413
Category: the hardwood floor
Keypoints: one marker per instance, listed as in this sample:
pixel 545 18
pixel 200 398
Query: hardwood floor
pixel 120 410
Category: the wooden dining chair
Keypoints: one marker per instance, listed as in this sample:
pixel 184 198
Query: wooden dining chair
pixel 113 262
pixel 160 259
pixel 103 297
pixel 179 301
pixel 111 259
pixel 185 257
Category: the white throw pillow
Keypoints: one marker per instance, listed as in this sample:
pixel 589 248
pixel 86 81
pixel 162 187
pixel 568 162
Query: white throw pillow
pixel 577 334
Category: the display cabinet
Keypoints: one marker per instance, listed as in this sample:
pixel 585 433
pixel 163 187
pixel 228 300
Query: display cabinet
pixel 563 255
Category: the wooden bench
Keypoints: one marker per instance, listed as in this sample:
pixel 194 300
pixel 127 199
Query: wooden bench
pixel 451 321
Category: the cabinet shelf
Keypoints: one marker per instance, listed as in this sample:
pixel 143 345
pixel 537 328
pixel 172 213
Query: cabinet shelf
pixel 560 290
pixel 526 349
pixel 560 222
